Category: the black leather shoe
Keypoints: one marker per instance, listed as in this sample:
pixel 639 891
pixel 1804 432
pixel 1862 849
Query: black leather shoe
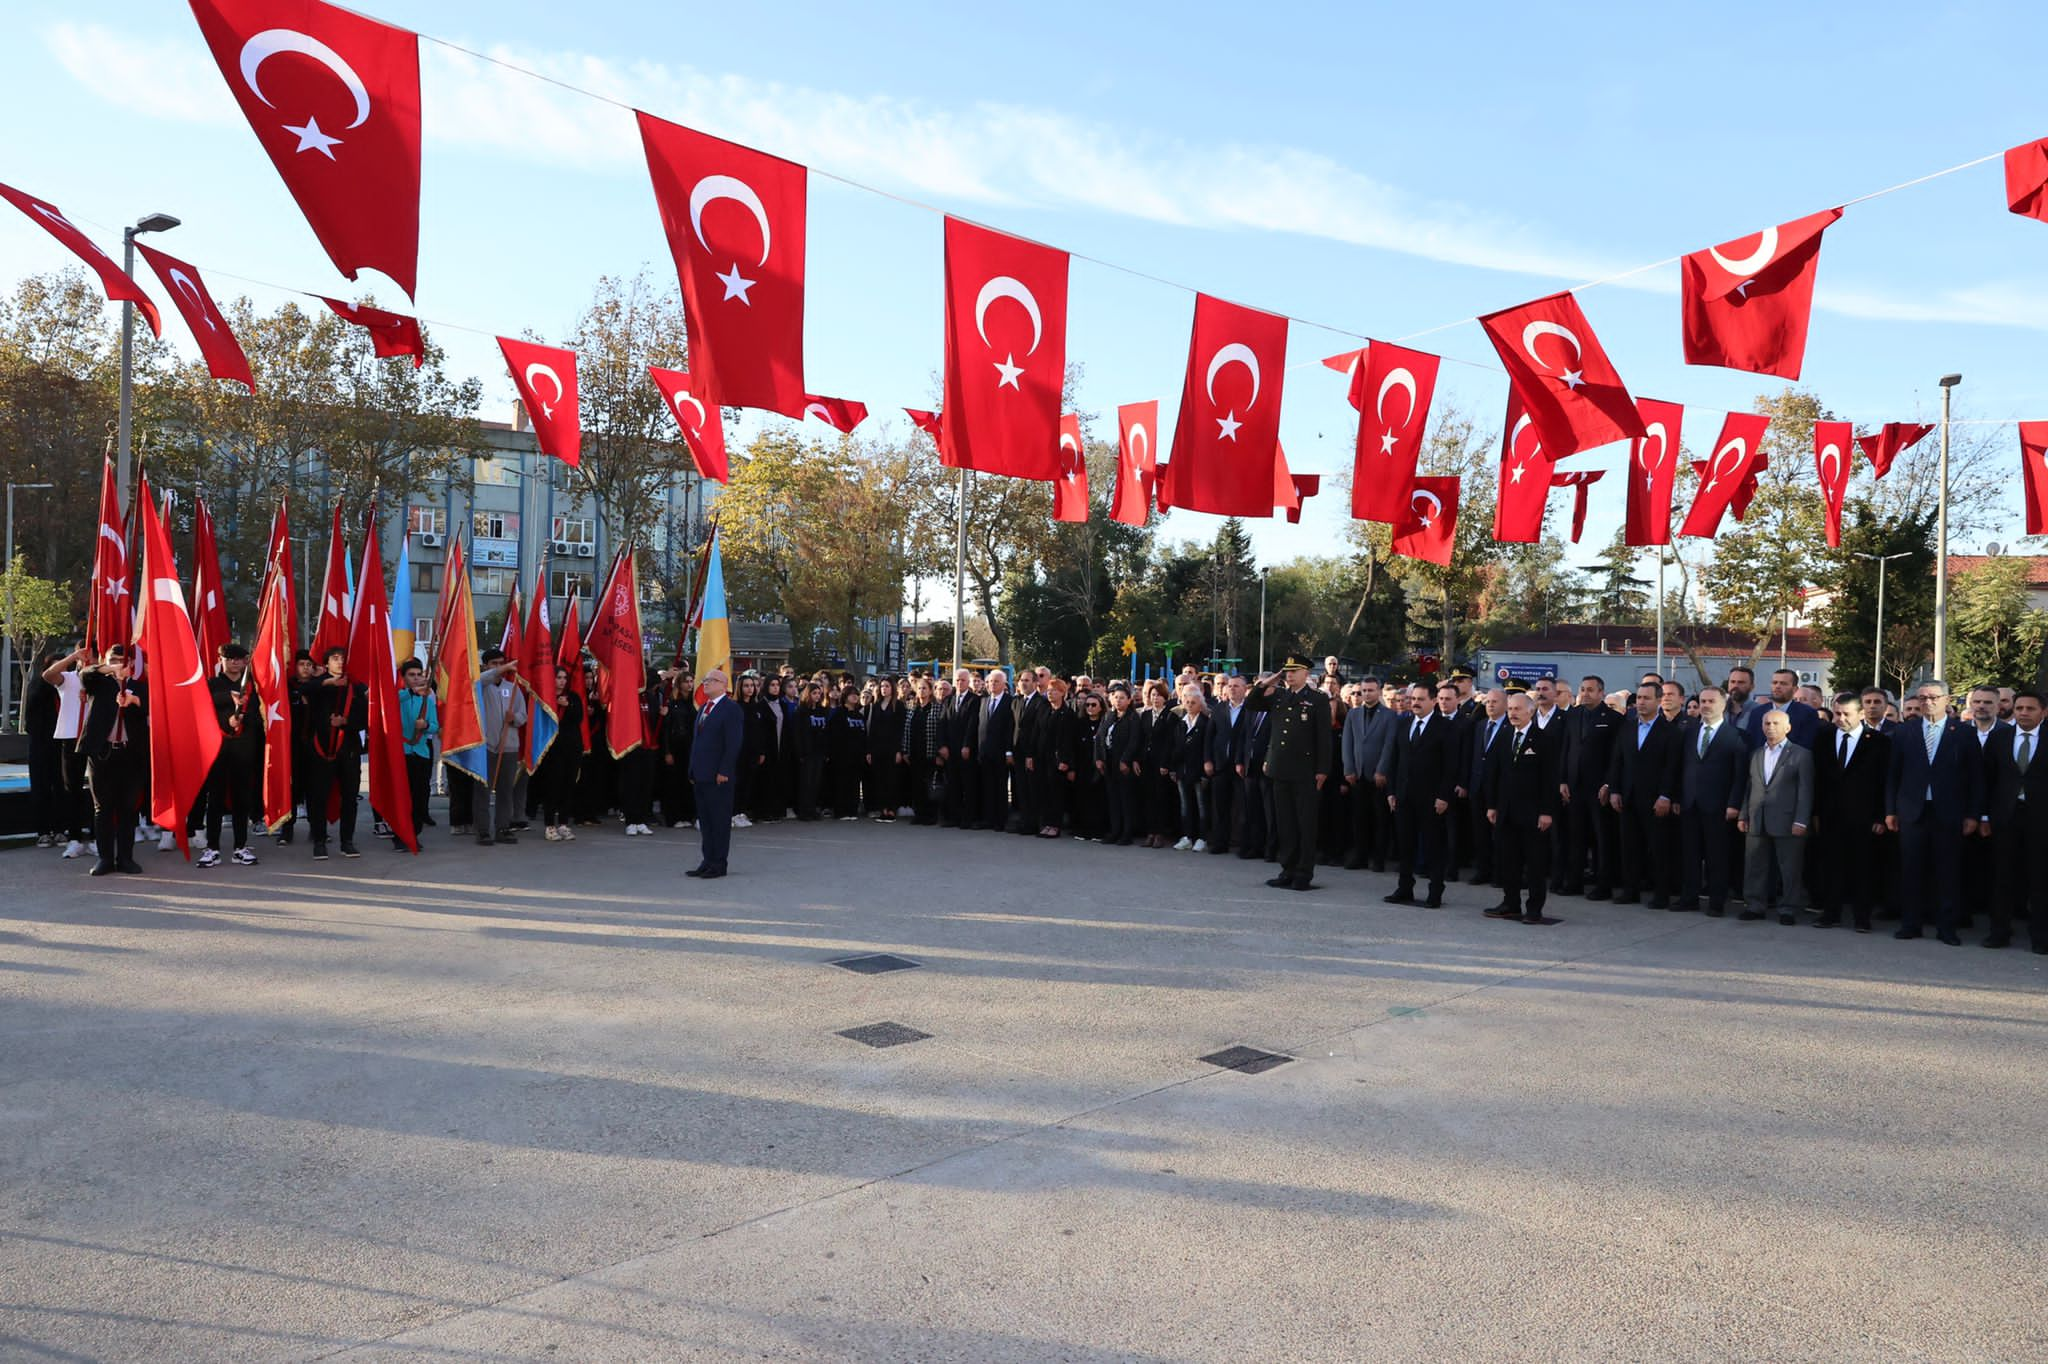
pixel 1435 900
pixel 1750 915
pixel 1543 919
pixel 1684 907
pixel 694 871
pixel 712 875
pixel 319 852
pixel 1787 919
pixel 128 866
pixel 348 849
pixel 1628 898
pixel 1716 913
pixel 1904 934
pixel 1399 897
pixel 1661 902
pixel 101 868
pixel 1598 894
pixel 1280 882
pixel 1999 940
pixel 1354 864
pixel 1503 912
pixel 1304 883
pixel 1827 921
pixel 1952 939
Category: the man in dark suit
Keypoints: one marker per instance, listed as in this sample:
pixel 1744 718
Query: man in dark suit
pixel 1850 768
pixel 1421 766
pixel 1714 774
pixel 994 734
pixel 1777 811
pixel 1933 796
pixel 1487 732
pixel 1980 853
pixel 1523 805
pixel 1590 732
pixel 2017 778
pixel 1642 786
pixel 714 763
pixel 963 777
pixel 1033 711
pixel 1368 729
pixel 1256 743
pixel 1228 721
pixel 114 741
pixel 1805 720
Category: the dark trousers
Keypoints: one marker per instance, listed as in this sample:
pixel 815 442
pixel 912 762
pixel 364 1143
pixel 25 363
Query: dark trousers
pixel 848 773
pixel 1055 797
pixel 1485 866
pixel 1194 805
pixel 636 786
pixel 1854 867
pixel 46 784
pixel 1369 820
pixel 233 787
pixel 343 773
pixel 810 786
pixel 1254 829
pixel 419 772
pixel 1703 835
pixel 1025 792
pixel 1522 856
pixel 672 781
pixel 1295 810
pixel 77 794
pixel 557 781
pixel 1162 803
pixel 1930 858
pixel 461 796
pixel 2022 889
pixel 1419 832
pixel 963 792
pixel 714 822
pixel 1590 850
pixel 924 808
pixel 1649 862
pixel 994 806
pixel 1980 872
pixel 117 779
pixel 1226 809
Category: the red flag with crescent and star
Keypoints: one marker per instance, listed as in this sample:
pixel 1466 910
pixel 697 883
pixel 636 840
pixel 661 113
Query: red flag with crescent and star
pixel 1653 472
pixel 1747 302
pixel 270 664
pixel 927 422
pixel 1567 384
pixel 217 345
pixel 1432 521
pixel 331 629
pixel 391 334
pixel 546 379
pixel 334 97
pixel 185 732
pixel 1885 444
pixel 1737 455
pixel 1070 489
pixel 1286 497
pixel 1579 481
pixel 1383 465
pixel 1137 462
pixel 209 596
pixel 735 222
pixel 118 287
pixel 615 642
pixel 569 658
pixel 1833 456
pixel 2026 181
pixel 841 414
pixel 277 563
pixel 1228 431
pixel 370 663
pixel 1522 491
pixel 1006 353
pixel 701 423
pixel 2034 474
pixel 110 618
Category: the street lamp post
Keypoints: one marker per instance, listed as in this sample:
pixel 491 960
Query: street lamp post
pixel 155 222
pixel 1263 572
pixel 1948 383
pixel 7 644
pixel 1877 643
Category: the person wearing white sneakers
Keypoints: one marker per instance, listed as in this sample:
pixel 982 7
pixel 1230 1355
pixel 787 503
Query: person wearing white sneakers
pixel 559 765
pixel 1190 753
pixel 235 784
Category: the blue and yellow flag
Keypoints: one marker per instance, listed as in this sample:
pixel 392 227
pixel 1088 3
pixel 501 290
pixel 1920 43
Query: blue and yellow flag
pixel 714 631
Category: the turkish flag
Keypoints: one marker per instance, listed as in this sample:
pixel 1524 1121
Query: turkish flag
pixel 546 379
pixel 536 661
pixel 331 631
pixel 110 618
pixel 569 658
pixel 734 218
pixel 2034 474
pixel 1347 364
pixel 1285 498
pixel 371 664
pixel 1305 487
pixel 1137 462
pixel 927 422
pixel 616 645
pixel 113 279
pixel 841 414
pixel 1735 460
pixel 270 663
pixel 1738 506
pixel 1006 353
pixel 1652 472
pixel 1523 489
pixel 1070 489
pixel 1833 456
pixel 703 429
pixel 1163 472
pixel 185 730
pixel 2026 182
pixel 334 97
pixel 209 599
pixel 1885 444
pixel 391 334
pixel 1431 525
pixel 512 640
pixel 1383 465
pixel 277 563
pixel 1747 302
pixel 1578 480
pixel 217 345
pixel 1229 424
pixel 1568 385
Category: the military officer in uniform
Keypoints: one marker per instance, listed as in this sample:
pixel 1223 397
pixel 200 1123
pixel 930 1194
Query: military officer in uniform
pixel 1297 764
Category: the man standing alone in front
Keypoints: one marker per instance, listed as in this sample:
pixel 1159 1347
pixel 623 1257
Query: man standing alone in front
pixel 1297 765
pixel 714 762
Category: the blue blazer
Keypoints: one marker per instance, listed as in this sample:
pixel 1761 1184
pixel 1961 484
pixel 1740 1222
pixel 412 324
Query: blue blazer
pixel 715 751
pixel 1720 780
pixel 1950 790
pixel 1805 723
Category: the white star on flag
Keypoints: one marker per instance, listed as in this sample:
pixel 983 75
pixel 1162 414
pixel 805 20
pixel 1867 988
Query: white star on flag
pixel 736 285
pixel 1008 369
pixel 1227 425
pixel 311 139
pixel 1517 478
pixel 1573 378
pixel 1387 443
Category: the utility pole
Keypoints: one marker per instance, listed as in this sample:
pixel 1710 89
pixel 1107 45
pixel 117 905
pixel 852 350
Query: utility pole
pixel 1948 383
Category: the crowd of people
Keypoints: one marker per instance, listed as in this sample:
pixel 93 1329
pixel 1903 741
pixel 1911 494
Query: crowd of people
pixel 1795 806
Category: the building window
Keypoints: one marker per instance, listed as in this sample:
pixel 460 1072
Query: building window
pixel 500 471
pixel 426 521
pixel 491 525
pixel 422 635
pixel 495 582
pixel 575 530
pixel 562 583
pixel 426 577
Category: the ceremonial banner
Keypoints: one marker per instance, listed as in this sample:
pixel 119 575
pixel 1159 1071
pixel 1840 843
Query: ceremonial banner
pixel 1747 302
pixel 404 634
pixel 217 345
pixel 546 379
pixel 1566 382
pixel 537 677
pixel 332 629
pixel 184 728
pixel 1225 438
pixel 334 97
pixel 927 422
pixel 277 563
pixel 714 629
pixel 113 279
pixel 455 673
pixel 569 657
pixel 1389 443
pixel 841 414
pixel 2034 474
pixel 270 664
pixel 1005 298
pixel 1070 489
pixel 703 431
pixel 1722 476
pixel 110 616
pixel 1833 457
pixel 1137 460
pixel 1653 472
pixel 1523 489
pixel 615 642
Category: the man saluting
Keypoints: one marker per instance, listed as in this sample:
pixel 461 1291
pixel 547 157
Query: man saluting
pixel 1297 763
pixel 714 761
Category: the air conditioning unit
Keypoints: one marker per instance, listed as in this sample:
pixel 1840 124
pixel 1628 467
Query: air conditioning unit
pixel 431 539
pixel 564 547
pixel 586 551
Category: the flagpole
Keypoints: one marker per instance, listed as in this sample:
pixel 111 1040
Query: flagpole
pixel 960 574
pixel 1660 610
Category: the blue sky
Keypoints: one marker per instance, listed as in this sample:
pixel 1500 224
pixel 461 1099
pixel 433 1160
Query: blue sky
pixel 1384 169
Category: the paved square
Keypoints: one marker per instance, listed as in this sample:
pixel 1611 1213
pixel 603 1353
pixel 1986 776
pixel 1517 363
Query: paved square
pixel 558 1102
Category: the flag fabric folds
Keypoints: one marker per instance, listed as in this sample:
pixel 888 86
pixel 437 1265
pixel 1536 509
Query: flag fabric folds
pixel 1522 492
pixel 209 597
pixel 1833 457
pixel 2034 474
pixel 1722 476
pixel 217 345
pixel 331 630
pixel 1070 489
pixel 1383 464
pixel 455 673
pixel 1885 444
pixel 270 664
pixel 113 279
pixel 110 616
pixel 1432 523
pixel 1137 462
pixel 185 733
pixel 714 630
pixel 1746 303
pixel 569 657
pixel 546 379
pixel 537 677
pixel 404 626
pixel 1566 382
pixel 841 414
pixel 277 563
pixel 1579 481
pixel 1653 472
pixel 699 417
pixel 2026 181
pixel 1305 487
pixel 616 643
pixel 370 663
pixel 1229 424
pixel 391 334
pixel 1006 354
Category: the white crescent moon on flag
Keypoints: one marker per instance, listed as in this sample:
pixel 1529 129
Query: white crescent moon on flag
pixel 1643 461
pixel 1828 451
pixel 715 187
pixel 684 397
pixel 1399 378
pixel 1236 353
pixel 538 367
pixel 1522 424
pixel 107 532
pixel 1536 330
pixel 182 282
pixel 1741 449
pixel 1069 443
pixel 54 216
pixel 1004 286
pixel 1747 266
pixel 1436 505
pixel 819 411
pixel 272 41
pixel 1139 437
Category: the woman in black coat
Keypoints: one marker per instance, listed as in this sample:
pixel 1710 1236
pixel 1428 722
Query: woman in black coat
pixel 885 752
pixel 556 776
pixel 1118 748
pixel 810 735
pixel 847 741
pixel 1190 778
pixel 1059 759
pixel 1091 809
pixel 924 734
pixel 1161 729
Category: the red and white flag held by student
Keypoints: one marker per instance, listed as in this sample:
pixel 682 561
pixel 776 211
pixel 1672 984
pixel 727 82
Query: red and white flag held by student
pixel 1228 432
pixel 110 616
pixel 209 597
pixel 371 664
pixel 1747 302
pixel 1006 353
pixel 1395 390
pixel 1070 489
pixel 217 345
pixel 1522 492
pixel 114 280
pixel 2034 474
pixel 1885 444
pixel 537 677
pixel 1722 475
pixel 1566 382
pixel 569 657
pixel 1137 462
pixel 615 642
pixel 841 414
pixel 184 727
pixel 334 97
pixel 1432 523
pixel 277 563
pixel 734 218
pixel 270 664
pixel 513 639
pixel 700 419
pixel 1653 472
pixel 1833 457
pixel 331 630
pixel 391 334
pixel 546 379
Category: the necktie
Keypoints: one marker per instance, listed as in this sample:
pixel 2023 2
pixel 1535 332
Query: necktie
pixel 1932 734
pixel 1520 736
pixel 1706 737
pixel 1843 756
pixel 2026 750
pixel 1415 731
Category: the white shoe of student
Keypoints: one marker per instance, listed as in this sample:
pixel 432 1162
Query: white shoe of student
pixel 1183 845
pixel 166 841
pixel 742 822
pixel 552 835
pixel 244 858
pixel 1201 845
pixel 209 858
pixel 74 849
pixel 568 834
pixel 198 840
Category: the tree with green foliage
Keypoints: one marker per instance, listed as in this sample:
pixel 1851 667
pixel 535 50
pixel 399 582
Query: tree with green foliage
pixel 1762 565
pixel 1847 625
pixel 1995 634
pixel 1620 597
pixel 33 611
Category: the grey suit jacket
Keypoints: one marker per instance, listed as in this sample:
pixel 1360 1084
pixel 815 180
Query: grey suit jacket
pixel 1787 799
pixel 1368 734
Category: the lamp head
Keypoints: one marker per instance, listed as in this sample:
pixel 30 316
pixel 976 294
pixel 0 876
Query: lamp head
pixel 1951 380
pixel 157 222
